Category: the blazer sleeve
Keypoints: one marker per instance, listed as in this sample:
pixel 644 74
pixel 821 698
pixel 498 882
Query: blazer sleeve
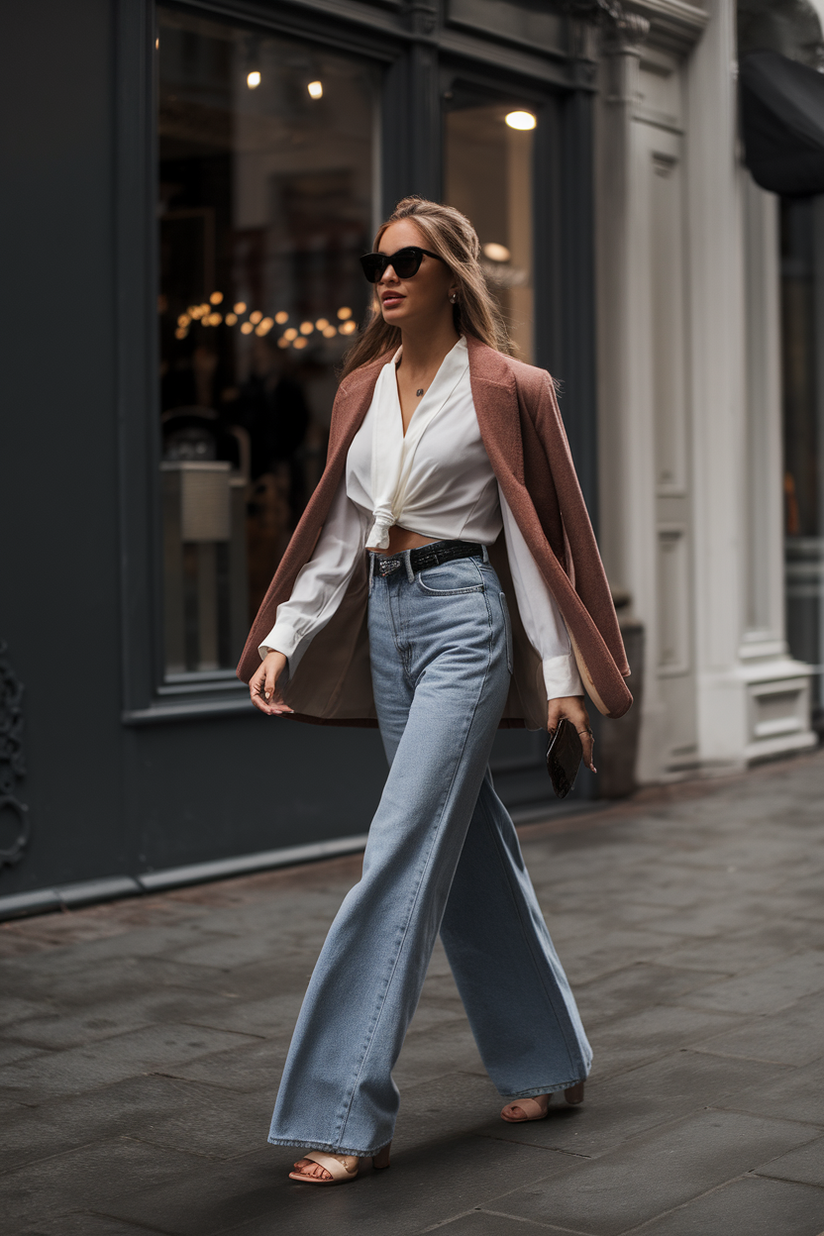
pixel 584 560
pixel 320 583
pixel 540 615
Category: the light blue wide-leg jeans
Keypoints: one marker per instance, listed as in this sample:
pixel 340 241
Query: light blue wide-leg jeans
pixel 442 855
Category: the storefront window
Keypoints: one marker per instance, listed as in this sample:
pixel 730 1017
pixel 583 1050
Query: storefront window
pixel 488 157
pixel 802 307
pixel 266 179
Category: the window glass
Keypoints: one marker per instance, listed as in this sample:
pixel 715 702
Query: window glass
pixel 267 166
pixel 488 156
pixel 802 312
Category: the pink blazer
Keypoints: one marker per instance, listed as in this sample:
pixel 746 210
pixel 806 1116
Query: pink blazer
pixel 524 436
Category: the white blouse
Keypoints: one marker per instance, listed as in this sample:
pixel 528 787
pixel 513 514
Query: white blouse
pixel 435 480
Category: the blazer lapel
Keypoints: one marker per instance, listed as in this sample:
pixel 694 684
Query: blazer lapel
pixel 496 405
pixel 351 405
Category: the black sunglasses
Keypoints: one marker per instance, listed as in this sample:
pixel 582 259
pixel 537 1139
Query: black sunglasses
pixel 405 263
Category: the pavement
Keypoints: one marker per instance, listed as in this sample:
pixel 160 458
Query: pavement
pixel 142 1041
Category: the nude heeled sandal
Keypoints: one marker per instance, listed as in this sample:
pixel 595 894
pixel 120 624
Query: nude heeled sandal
pixel 533 1110
pixel 338 1166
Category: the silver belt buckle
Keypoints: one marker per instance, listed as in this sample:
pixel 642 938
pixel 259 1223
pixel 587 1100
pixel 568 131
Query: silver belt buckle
pixel 387 565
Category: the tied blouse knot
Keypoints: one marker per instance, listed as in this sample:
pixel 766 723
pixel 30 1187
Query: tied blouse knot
pixel 437 481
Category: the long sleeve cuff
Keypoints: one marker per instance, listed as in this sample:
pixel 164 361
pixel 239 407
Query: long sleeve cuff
pixel 282 638
pixel 561 676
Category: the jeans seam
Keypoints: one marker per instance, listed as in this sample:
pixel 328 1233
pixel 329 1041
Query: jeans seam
pixel 422 872
pixel 497 841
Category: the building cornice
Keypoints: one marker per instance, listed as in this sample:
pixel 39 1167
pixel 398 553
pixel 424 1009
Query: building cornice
pixel 674 25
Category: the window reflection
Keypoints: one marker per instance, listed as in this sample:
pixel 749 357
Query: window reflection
pixel 480 136
pixel 802 313
pixel 266 174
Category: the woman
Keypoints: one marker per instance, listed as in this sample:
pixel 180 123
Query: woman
pixel 387 608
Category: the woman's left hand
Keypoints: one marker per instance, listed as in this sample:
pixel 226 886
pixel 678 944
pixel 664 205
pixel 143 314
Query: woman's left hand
pixel 574 709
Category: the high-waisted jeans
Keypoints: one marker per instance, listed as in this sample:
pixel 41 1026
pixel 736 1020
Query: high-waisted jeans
pixel 442 855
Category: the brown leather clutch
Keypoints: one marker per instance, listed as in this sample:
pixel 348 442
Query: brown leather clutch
pixel 563 758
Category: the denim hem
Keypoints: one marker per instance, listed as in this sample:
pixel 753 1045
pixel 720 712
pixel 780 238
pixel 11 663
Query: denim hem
pixel 536 1090
pixel 327 1147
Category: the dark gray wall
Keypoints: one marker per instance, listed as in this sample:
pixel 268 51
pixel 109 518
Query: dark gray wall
pixel 58 463
pixel 108 796
pixel 105 798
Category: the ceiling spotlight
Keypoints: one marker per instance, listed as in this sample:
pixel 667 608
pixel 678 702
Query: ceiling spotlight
pixel 253 79
pixel 315 90
pixel 521 120
pixel 496 253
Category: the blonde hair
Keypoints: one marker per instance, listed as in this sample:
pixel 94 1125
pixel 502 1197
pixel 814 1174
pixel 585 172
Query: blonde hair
pixel 448 233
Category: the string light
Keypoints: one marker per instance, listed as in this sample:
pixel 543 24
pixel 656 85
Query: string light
pixel 297 337
pixel 253 79
pixel 315 90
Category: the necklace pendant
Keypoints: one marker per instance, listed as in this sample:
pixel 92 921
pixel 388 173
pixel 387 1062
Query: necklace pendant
pixel 419 392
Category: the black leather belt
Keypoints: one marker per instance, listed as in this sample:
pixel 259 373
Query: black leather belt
pixel 427 556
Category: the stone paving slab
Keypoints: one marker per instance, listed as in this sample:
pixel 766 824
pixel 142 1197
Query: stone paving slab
pixel 764 991
pixel 84 1223
pixel 247 1195
pixel 42 1077
pixel 666 1166
pixel 141 1045
pixel 749 1207
pixel 804 1165
pixel 777 1039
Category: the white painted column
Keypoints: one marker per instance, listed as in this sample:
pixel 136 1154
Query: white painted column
pixel 751 697
pixel 625 430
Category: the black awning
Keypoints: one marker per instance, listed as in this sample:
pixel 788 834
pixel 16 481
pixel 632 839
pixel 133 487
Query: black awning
pixel 782 120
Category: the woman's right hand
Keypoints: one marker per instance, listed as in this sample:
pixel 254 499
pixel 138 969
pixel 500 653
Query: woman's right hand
pixel 263 686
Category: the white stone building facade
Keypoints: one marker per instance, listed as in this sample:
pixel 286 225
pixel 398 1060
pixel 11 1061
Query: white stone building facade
pixel 690 457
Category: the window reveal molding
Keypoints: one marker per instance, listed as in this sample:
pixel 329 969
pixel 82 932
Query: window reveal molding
pixel 146 695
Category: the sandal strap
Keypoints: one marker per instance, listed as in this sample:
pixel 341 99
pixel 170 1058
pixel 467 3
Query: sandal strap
pixel 531 1108
pixel 336 1169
